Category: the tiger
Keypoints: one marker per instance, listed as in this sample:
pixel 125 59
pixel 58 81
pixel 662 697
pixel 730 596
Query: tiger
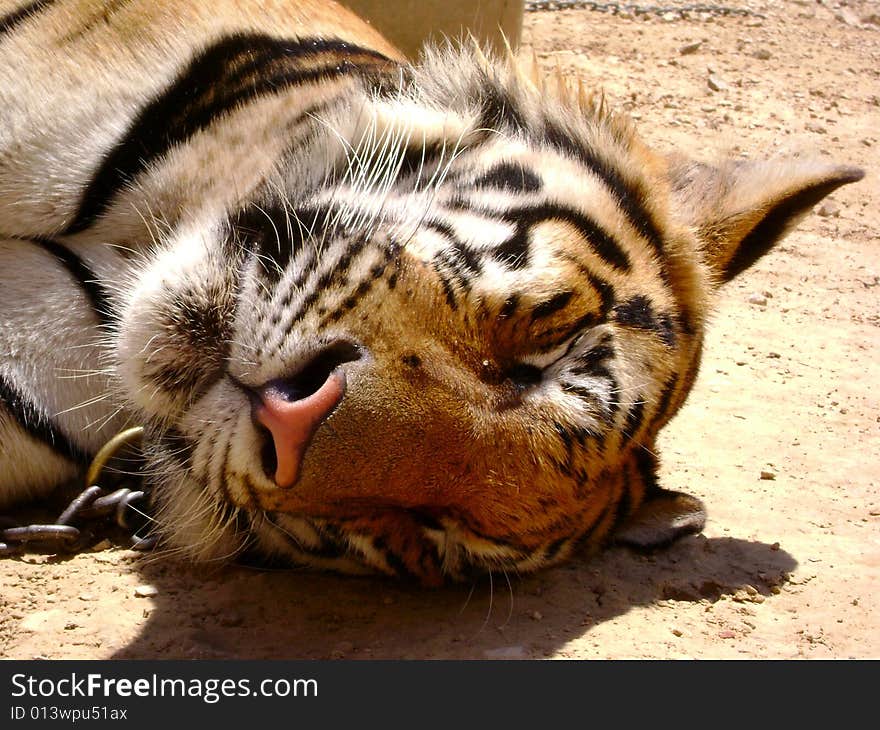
pixel 421 319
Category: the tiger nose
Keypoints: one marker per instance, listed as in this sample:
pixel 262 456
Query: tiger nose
pixel 292 409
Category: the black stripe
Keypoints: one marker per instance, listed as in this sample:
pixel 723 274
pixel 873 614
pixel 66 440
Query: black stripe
pixel 354 298
pixel 602 287
pixel 552 305
pixel 464 262
pixel 447 264
pixel 510 176
pixel 581 391
pixel 646 463
pixel 275 235
pixel 224 76
pixel 9 21
pixel 38 425
pixel 554 548
pixel 596 371
pixel 448 289
pixel 634 419
pixel 333 542
pixel 629 195
pixel 624 502
pixel 394 561
pixel 667 330
pixel 308 263
pixel 509 307
pixel 565 435
pixel 334 274
pixel 420 160
pixel 514 252
pixel 87 279
pixel 603 244
pixel 636 312
pixel 499 109
pixel 606 293
pixel 99 21
pixel 592 361
pixel 561 335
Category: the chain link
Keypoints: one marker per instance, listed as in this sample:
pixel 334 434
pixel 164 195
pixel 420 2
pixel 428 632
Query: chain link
pixel 681 11
pixel 93 506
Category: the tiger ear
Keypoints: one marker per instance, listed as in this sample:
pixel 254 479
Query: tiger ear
pixel 740 209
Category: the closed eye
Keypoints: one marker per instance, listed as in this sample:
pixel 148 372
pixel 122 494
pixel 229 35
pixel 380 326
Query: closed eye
pixel 523 375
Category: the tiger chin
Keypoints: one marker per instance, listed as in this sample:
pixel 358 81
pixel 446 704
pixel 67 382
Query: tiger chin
pixel 422 320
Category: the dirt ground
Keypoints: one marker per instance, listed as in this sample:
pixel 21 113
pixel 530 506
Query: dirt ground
pixel 788 567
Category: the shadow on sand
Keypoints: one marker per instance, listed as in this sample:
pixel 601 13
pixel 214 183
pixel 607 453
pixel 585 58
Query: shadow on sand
pixel 236 612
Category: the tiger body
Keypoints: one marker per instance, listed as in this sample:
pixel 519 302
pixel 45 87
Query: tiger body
pixel 418 320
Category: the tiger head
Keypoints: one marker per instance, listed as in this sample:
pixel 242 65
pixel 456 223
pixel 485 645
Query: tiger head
pixel 444 337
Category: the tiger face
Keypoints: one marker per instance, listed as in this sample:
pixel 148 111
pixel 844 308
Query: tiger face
pixel 422 320
pixel 454 354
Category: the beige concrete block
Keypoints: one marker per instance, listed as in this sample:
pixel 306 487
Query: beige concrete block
pixel 409 23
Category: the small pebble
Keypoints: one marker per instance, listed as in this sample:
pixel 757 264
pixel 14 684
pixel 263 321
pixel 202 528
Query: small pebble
pixel 828 209
pixel 715 83
pixel 146 591
pixel 847 16
pixel 689 48
pixel 768 475
pixel 758 299
pixel 536 615
pixel 726 634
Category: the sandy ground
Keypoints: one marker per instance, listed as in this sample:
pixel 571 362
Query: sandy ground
pixel 787 567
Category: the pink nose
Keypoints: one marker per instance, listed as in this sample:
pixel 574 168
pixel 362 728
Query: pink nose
pixel 292 422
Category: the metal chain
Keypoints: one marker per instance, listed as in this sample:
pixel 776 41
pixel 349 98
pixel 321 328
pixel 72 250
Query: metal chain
pixel 682 11
pixel 94 505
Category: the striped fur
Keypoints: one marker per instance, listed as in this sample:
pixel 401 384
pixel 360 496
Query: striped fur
pixel 200 198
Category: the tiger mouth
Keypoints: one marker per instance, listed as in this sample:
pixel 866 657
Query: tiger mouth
pixel 439 550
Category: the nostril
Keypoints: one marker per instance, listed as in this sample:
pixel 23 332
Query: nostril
pixel 289 410
pixel 309 379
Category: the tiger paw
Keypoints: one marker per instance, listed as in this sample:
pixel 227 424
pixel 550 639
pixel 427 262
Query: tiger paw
pixel 662 519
